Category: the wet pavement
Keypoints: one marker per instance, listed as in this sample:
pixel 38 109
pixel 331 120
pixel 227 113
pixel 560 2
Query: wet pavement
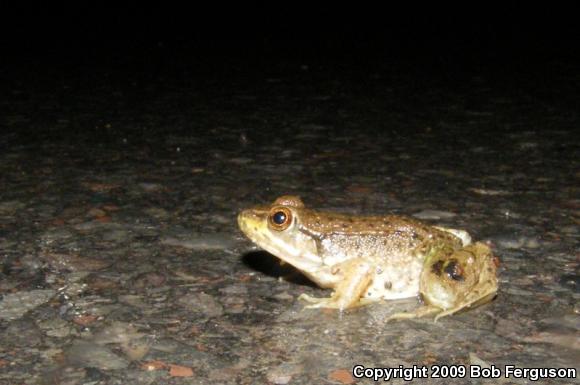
pixel 120 257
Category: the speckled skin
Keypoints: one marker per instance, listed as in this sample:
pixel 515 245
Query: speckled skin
pixel 363 258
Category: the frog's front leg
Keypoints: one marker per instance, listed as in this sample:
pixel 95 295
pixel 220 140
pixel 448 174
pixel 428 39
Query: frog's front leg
pixel 357 276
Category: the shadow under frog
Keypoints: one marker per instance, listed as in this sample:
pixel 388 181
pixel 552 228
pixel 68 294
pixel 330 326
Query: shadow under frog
pixel 270 265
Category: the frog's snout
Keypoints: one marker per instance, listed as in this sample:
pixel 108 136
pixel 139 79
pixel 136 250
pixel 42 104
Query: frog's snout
pixel 242 219
pixel 249 221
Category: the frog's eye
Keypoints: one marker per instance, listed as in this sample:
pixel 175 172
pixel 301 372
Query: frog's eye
pixel 280 218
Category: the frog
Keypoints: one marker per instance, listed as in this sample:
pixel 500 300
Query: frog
pixel 368 259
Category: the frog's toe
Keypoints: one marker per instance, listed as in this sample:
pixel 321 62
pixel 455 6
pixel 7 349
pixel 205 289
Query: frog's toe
pixel 402 315
pixel 449 312
pixel 316 303
pixel 424 311
pixel 310 299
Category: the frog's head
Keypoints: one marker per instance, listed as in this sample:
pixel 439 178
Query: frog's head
pixel 276 229
pixel 461 279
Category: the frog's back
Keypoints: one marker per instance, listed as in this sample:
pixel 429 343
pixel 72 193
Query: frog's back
pixel 390 227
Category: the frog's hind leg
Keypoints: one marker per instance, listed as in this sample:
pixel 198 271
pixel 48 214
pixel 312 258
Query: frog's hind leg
pixel 472 301
pixel 358 276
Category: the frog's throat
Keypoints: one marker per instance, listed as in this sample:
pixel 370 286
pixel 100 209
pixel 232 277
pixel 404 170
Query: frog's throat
pixel 300 256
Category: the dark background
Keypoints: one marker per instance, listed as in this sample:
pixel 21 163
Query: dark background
pixel 73 33
pixel 145 51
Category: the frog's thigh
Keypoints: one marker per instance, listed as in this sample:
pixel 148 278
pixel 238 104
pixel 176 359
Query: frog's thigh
pixel 358 275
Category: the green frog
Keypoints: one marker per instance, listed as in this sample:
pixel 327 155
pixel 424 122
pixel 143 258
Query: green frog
pixel 366 259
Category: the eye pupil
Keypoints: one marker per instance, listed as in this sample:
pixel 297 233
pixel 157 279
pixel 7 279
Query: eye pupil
pixel 279 218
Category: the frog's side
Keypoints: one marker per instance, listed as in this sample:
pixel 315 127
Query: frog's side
pixel 366 259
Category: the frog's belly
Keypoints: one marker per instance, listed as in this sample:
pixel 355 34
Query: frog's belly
pixel 395 281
